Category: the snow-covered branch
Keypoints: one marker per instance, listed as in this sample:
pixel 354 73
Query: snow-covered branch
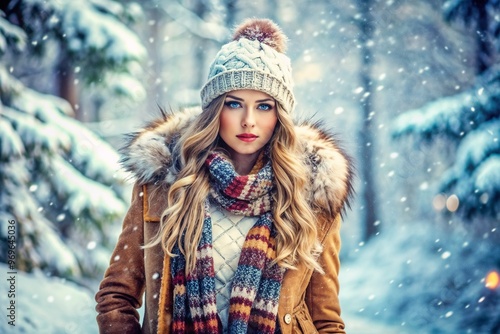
pixel 472 120
pixel 194 23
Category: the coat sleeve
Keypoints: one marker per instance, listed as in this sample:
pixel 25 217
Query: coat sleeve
pixel 322 294
pixel 120 292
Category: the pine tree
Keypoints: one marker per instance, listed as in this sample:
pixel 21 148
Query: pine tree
pixel 470 120
pixel 61 185
pixel 480 15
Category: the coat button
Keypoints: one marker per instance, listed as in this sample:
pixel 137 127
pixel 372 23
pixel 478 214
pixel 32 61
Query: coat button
pixel 288 319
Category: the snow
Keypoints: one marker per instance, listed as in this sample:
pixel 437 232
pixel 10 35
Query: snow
pixel 52 129
pixel 415 278
pixel 8 84
pixel 424 279
pixel 478 145
pixel 54 250
pixel 81 19
pixel 39 105
pixel 440 116
pixel 84 196
pixel 475 169
pixel 60 182
pixel 87 27
pixel 48 305
pixel 194 23
pixel 454 115
pixel 40 239
pixel 11 145
pixel 35 134
pixel 125 85
pixel 10 31
pixel 356 324
pixel 488 175
pixel 36 125
pixel 469 121
pixel 94 34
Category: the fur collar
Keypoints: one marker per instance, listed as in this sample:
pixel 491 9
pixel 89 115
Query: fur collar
pixel 148 156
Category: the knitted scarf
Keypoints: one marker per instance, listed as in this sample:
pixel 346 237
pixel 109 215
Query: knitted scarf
pixel 256 284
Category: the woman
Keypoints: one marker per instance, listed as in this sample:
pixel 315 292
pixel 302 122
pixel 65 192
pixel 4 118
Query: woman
pixel 235 215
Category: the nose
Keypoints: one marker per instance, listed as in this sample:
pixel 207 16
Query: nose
pixel 248 120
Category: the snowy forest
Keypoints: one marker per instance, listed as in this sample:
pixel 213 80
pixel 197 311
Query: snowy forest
pixel 410 87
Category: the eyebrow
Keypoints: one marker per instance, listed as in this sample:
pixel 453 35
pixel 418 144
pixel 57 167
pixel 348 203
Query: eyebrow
pixel 240 99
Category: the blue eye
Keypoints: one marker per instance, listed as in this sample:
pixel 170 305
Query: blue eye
pixel 232 104
pixel 265 107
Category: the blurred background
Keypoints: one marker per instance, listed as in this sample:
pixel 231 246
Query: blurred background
pixel 410 87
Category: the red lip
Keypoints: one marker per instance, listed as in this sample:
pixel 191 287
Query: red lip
pixel 247 135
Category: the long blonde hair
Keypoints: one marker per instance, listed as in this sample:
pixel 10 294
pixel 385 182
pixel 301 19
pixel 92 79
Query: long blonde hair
pixel 182 220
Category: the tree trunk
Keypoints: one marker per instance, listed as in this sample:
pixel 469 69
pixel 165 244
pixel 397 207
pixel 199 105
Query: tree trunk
pixel 200 53
pixel 155 50
pixel 66 86
pixel 367 144
pixel 484 52
pixel 273 10
pixel 231 13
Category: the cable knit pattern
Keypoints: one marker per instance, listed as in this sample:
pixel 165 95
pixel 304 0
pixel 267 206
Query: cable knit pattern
pixel 249 63
pixel 229 232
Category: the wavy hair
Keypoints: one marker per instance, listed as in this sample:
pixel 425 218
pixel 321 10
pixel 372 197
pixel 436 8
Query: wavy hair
pixel 296 240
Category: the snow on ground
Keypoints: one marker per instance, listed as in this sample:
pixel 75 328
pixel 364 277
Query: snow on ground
pixel 56 306
pixel 356 324
pixel 410 279
pixel 47 305
pixel 421 279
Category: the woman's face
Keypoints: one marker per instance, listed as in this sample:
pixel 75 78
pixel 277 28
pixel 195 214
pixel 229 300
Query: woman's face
pixel 247 122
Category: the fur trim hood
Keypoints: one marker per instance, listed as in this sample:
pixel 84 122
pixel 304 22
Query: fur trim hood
pixel 148 156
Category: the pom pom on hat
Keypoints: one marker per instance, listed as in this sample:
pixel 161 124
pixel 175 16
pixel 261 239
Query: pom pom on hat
pixel 264 31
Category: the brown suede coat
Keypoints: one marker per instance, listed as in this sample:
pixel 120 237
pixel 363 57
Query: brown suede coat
pixel 308 300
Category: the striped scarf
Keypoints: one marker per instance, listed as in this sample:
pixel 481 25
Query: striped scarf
pixel 256 284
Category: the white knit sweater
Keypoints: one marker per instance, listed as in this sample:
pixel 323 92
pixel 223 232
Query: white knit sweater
pixel 228 233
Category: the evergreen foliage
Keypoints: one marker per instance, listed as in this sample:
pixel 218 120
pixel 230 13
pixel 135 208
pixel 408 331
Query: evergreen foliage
pixel 60 182
pixel 471 120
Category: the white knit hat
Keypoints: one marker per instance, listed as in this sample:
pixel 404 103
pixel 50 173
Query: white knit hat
pixel 255 59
